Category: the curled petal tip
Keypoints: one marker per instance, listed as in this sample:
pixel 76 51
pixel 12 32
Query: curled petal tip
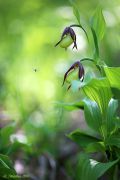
pixel 57 43
pixel 69 87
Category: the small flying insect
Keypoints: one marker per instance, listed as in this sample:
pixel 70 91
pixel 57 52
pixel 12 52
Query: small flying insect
pixel 35 69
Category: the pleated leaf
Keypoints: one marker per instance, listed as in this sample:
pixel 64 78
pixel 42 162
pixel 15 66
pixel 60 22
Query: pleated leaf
pixel 98 23
pixel 98 90
pixel 82 138
pixel 91 169
pixel 75 11
pixel 71 106
pixel 6 166
pixel 93 115
pixel 111 115
pixel 95 147
pixel 113 75
pixel 113 140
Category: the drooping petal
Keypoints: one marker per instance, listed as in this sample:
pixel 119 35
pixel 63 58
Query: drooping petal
pixel 78 65
pixel 73 36
pixel 81 72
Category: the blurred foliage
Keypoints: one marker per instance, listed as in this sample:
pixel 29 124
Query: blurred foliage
pixel 31 68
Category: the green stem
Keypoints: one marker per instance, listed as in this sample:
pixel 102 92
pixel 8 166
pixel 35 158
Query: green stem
pixel 80 26
pixel 100 68
pixel 87 59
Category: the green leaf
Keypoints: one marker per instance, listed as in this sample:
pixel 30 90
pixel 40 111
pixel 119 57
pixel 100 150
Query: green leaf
pixel 91 169
pixel 111 112
pixel 95 147
pixel 115 92
pixel 96 53
pixel 75 11
pixel 102 113
pixel 71 106
pixel 93 115
pixel 82 138
pixel 5 134
pixel 116 172
pixel 6 166
pixel 113 140
pixel 98 23
pixel 98 90
pixel 113 75
pixel 77 15
pixel 15 147
pixel 117 122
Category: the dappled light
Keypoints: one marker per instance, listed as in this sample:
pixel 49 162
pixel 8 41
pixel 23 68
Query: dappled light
pixel 59 89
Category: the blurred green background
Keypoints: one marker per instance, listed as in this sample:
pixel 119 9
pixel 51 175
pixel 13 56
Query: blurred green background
pixel 32 69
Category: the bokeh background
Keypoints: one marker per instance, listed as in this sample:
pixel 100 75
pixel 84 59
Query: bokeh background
pixel 31 75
